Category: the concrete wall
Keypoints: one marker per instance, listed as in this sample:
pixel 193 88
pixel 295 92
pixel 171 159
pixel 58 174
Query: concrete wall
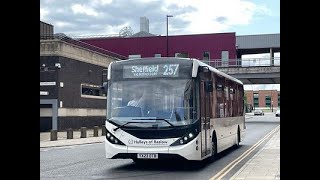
pixel 72 74
pixel 78 122
pixel 46 29
pixel 68 50
pixel 48 77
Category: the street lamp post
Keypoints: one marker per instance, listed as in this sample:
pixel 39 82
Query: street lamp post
pixel 271 99
pixel 167 35
pixel 252 97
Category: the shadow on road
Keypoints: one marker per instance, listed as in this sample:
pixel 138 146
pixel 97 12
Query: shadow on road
pixel 263 121
pixel 173 165
pixel 163 165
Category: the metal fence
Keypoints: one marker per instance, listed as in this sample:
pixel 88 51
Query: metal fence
pixel 253 62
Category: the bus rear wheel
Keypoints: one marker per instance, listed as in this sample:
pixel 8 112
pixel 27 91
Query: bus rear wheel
pixel 238 139
pixel 214 148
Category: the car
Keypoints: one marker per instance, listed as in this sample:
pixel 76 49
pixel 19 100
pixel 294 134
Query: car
pixel 258 112
pixel 278 113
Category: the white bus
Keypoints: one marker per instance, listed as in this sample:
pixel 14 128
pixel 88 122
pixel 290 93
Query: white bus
pixel 187 110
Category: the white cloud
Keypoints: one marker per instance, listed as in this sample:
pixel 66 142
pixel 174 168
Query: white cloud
pixel 62 24
pixel 43 13
pixel 204 19
pixel 48 1
pixel 190 16
pixel 83 9
pixel 114 29
pixel 95 3
pixel 262 9
pixel 103 2
pixel 108 30
pixel 61 10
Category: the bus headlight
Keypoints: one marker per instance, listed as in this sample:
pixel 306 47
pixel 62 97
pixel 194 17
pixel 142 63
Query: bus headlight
pixel 112 139
pixel 186 138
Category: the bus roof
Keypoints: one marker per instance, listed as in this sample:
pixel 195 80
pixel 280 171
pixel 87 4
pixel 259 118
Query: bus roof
pixel 197 63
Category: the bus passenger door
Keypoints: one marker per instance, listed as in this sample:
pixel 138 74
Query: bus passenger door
pixel 205 115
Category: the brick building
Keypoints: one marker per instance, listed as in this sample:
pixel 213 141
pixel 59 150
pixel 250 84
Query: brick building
pixel 263 98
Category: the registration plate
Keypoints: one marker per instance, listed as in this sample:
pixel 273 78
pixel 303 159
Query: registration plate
pixel 147 156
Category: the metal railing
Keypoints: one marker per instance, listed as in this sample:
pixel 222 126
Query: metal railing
pixel 253 62
pixel 82 44
pixel 96 36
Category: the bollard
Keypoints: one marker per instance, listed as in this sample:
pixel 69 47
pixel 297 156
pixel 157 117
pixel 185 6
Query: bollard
pixel 83 131
pixel 95 131
pixel 69 133
pixel 103 130
pixel 53 135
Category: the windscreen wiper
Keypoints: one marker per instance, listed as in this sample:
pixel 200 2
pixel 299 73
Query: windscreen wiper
pixel 111 121
pixel 156 119
pixel 126 124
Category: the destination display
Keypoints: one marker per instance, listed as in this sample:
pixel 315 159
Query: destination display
pixel 151 71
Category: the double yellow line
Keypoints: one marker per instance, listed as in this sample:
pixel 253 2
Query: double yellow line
pixel 231 165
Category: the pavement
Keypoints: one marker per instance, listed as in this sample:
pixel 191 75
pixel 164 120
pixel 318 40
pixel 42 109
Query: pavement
pixel 265 164
pixel 63 141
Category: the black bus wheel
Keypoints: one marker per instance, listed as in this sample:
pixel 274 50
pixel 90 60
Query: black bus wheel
pixel 214 148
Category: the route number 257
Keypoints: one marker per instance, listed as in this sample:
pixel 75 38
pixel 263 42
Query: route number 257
pixel 170 69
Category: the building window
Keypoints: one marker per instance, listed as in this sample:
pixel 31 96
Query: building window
pixel 256 100
pixel 225 58
pixel 268 101
pixel 206 56
pixel 134 56
pixel 92 91
pixel 181 55
pixel 157 55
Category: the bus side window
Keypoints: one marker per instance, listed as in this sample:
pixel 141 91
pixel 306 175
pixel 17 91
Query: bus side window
pixel 220 105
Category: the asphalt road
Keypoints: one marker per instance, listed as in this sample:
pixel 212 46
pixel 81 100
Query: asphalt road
pixel 89 162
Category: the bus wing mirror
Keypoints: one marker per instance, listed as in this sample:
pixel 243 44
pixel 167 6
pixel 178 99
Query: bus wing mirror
pixel 104 87
pixel 209 86
pixel 205 69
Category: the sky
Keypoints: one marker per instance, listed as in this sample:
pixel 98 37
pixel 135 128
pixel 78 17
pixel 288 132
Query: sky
pixel 104 17
pixel 108 17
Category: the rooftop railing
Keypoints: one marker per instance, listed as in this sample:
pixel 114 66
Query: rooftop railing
pixel 253 62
